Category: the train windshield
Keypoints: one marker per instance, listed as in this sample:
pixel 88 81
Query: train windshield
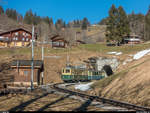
pixel 67 70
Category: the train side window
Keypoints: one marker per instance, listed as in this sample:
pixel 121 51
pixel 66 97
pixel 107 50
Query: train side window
pixel 67 71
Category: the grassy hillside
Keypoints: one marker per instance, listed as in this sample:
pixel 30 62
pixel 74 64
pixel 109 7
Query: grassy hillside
pixel 102 48
pixel 130 85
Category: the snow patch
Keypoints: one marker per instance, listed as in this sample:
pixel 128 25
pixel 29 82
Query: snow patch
pixel 111 53
pixel 114 53
pixel 141 54
pixel 83 87
pixel 127 60
pixel 119 53
pixel 124 63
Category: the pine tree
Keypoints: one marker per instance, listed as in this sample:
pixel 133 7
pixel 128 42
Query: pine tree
pixel 84 24
pixel 117 25
pixel 28 18
pixel 51 21
pixel 111 30
pixel 11 13
pixel 59 24
pixel 1 10
pixel 64 25
pixel 123 24
pixel 46 20
pixel 147 25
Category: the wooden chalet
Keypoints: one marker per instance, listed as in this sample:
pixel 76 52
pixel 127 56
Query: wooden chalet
pixel 15 38
pixel 132 39
pixel 58 42
pixel 22 69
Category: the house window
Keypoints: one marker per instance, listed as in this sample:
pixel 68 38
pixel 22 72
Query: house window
pixel 23 34
pixel 26 73
pixel 61 43
pixel 27 39
pixel 7 38
pixel 22 39
pixel 16 38
pixel 56 43
pixel 16 33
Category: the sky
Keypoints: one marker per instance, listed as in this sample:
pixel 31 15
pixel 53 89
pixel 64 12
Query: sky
pixel 70 10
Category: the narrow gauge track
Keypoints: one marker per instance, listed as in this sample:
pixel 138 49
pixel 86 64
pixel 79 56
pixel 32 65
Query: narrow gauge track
pixel 4 92
pixel 103 100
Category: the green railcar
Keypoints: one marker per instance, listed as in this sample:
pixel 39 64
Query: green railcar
pixel 70 74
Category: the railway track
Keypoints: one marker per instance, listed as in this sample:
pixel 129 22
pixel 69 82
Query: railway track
pixel 102 101
pixel 4 92
pixel 99 99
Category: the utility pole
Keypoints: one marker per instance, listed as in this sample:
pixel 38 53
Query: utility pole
pixel 43 62
pixel 32 63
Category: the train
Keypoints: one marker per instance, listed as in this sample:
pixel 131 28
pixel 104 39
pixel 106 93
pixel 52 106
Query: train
pixel 76 74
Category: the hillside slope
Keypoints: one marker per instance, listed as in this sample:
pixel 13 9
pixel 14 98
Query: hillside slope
pixel 131 85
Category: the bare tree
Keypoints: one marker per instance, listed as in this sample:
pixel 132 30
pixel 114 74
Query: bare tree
pixel 43 31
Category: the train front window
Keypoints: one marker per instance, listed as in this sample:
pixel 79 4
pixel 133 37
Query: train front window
pixel 67 71
pixel 63 70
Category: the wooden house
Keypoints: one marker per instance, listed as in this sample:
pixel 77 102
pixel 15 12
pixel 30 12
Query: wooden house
pixel 132 39
pixel 16 38
pixel 22 69
pixel 58 42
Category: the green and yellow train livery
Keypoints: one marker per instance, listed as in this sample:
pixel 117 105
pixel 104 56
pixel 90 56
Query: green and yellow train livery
pixel 73 74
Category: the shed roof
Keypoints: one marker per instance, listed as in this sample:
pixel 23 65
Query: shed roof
pixel 82 42
pixel 24 63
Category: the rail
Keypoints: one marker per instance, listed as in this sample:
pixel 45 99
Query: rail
pixel 103 100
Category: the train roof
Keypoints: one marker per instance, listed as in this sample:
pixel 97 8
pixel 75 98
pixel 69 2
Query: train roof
pixel 76 67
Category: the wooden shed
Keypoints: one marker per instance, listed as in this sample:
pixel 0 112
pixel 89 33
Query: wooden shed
pixel 22 70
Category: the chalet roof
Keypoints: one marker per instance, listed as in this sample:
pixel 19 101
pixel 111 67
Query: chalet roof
pixel 57 37
pixel 54 37
pixel 131 35
pixel 17 29
pixel 24 63
pixel 82 42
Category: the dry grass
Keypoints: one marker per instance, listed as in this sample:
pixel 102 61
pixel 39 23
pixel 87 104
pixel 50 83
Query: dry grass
pixel 131 84
pixel 41 101
pixel 53 66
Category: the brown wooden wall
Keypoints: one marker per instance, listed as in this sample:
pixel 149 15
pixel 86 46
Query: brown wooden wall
pixel 24 75
pixel 59 43
pixel 20 34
